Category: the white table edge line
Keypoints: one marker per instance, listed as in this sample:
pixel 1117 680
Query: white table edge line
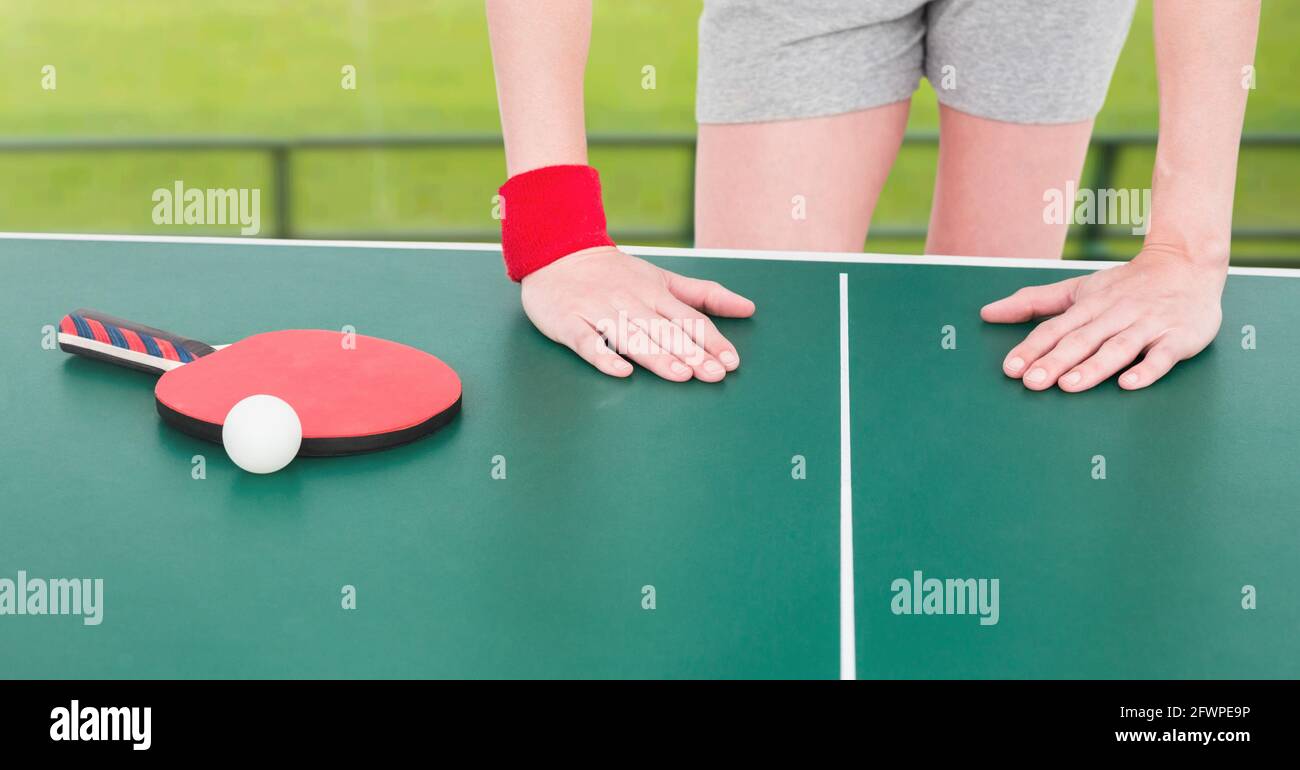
pixel 648 251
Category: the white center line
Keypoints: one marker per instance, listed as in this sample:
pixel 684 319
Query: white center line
pixel 848 636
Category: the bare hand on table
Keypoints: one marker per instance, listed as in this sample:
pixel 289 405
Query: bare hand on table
pixel 600 298
pixel 1161 303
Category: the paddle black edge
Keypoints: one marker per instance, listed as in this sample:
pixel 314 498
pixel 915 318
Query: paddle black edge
pixel 321 447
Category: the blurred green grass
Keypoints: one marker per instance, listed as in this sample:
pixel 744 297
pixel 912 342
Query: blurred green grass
pixel 254 68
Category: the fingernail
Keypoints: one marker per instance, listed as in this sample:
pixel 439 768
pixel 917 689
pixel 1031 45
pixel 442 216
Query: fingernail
pixel 1130 379
pixel 729 359
pixel 679 369
pixel 1037 374
pixel 713 368
pixel 621 366
pixel 1071 379
pixel 1015 364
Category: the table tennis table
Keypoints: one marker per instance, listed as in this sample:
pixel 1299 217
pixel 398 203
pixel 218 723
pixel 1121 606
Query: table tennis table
pixel 787 522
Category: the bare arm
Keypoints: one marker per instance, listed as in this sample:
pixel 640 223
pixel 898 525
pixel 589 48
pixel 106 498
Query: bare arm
pixel 1200 53
pixel 539 53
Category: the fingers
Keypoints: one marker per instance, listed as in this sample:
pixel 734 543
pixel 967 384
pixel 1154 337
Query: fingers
pixel 646 352
pixel 1032 302
pixel 1117 352
pixel 1078 346
pixel 673 339
pixel 709 296
pixel 701 330
pixel 1046 336
pixel 638 333
pixel 582 339
pixel 1156 364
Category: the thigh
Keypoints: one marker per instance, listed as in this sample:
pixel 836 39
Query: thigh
pixel 801 105
pixel 1019 83
pixel 989 193
pixel 805 185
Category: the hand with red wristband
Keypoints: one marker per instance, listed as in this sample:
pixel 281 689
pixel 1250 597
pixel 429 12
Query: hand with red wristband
pixel 578 289
pixel 605 305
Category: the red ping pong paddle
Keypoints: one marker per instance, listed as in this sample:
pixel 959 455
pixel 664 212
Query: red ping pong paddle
pixel 373 394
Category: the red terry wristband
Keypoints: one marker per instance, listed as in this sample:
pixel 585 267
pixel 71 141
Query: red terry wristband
pixel 550 212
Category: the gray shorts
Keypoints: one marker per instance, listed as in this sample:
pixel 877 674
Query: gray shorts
pixel 1020 61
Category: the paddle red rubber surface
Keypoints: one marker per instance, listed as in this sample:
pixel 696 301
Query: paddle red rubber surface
pixel 377 387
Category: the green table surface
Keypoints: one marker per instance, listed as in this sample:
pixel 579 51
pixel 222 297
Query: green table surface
pixel 615 485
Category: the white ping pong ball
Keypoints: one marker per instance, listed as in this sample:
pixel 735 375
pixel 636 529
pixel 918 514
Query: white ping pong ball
pixel 262 434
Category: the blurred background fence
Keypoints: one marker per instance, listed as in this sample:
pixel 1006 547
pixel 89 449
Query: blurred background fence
pixel 217 95
pixel 1091 241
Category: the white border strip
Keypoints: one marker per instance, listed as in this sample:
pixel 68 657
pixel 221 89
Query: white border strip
pixel 848 627
pixel 645 251
pixel 867 258
pixel 112 351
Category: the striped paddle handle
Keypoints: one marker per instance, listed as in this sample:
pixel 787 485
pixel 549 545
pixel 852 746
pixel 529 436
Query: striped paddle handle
pixel 117 341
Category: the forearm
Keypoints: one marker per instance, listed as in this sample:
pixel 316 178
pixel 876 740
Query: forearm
pixel 539 54
pixel 1201 49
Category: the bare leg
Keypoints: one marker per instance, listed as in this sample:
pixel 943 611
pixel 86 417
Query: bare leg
pixel 805 185
pixel 988 195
